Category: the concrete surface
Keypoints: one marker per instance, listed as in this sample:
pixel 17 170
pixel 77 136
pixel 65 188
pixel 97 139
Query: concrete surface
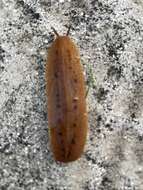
pixel 110 36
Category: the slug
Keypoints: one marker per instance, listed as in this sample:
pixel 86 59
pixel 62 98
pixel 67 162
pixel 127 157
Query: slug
pixel 66 95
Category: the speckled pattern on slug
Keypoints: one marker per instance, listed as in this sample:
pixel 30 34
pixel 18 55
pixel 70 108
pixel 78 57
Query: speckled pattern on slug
pixel 66 100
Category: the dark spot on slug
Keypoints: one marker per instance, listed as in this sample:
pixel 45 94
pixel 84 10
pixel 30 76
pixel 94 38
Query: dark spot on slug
pixel 75 107
pixel 57 95
pixel 69 153
pixel 70 67
pixel 56 52
pixel 75 80
pixel 58 106
pixel 69 54
pixel 56 75
pixel 75 100
pixel 74 125
pixel 60 133
pixel 73 141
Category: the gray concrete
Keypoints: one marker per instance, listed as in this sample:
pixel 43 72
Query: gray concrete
pixel 110 37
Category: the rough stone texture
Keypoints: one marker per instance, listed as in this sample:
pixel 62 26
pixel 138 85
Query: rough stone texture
pixel 110 36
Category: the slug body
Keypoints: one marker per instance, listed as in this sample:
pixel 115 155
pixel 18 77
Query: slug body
pixel 65 88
